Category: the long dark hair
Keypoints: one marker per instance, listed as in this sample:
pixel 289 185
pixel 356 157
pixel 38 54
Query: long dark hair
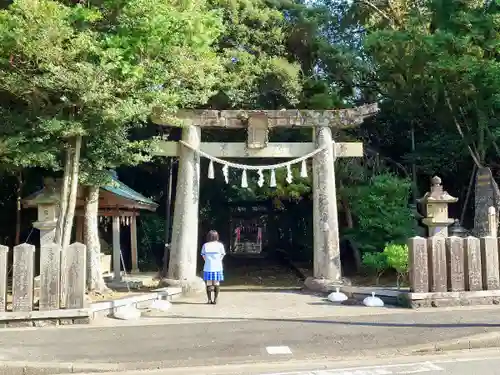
pixel 212 236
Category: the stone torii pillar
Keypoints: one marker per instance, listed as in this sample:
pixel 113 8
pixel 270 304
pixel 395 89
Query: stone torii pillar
pixel 184 249
pixel 327 267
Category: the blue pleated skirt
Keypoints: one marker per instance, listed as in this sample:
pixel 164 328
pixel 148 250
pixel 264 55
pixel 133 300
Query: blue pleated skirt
pixel 213 276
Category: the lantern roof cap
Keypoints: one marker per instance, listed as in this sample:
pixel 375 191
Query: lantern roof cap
pixel 437 193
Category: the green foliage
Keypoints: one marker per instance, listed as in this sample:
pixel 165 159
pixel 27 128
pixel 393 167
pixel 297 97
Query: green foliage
pixel 97 70
pixel 394 256
pixel 438 65
pixel 397 257
pixel 375 262
pixel 382 213
pixel 151 239
pixel 257 71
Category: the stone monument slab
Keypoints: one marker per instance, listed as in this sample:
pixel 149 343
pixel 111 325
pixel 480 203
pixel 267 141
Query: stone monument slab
pixel 456 264
pixel 23 278
pixel 437 264
pixel 418 261
pixel 489 262
pixel 473 273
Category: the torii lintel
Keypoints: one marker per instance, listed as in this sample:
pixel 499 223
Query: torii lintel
pixel 339 118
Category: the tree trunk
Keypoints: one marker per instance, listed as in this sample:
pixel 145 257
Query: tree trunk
pixel 73 191
pixel 19 191
pixel 63 204
pixel 168 208
pixel 95 281
pixel 347 212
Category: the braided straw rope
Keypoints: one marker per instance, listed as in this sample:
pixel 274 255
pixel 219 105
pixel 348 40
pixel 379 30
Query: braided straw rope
pixel 258 167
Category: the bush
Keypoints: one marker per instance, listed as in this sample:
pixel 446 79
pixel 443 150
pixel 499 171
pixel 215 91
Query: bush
pixel 397 258
pixel 381 212
pixel 394 256
pixel 377 263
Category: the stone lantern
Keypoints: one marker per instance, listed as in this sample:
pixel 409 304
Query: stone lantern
pixel 435 205
pixel 456 230
pixel 48 205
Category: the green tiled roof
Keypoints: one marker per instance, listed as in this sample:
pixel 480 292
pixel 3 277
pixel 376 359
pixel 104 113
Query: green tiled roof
pixel 117 188
pixel 120 189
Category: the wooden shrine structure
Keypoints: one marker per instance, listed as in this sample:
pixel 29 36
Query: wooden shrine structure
pixel 323 151
pixel 118 203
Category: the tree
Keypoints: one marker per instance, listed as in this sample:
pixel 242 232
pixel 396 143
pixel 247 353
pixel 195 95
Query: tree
pixel 153 32
pixel 436 76
pixel 22 147
pixel 257 70
pixel 85 74
pixel 104 151
pixel 441 61
pixel 382 212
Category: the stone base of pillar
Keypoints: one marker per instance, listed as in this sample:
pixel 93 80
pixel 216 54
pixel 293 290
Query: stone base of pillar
pixel 325 285
pixel 135 271
pixel 189 287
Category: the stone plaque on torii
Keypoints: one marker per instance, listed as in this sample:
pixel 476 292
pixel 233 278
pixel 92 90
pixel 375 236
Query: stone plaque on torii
pixel 323 150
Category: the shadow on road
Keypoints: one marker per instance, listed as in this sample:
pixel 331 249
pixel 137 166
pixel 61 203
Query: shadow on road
pixel 349 323
pixel 244 288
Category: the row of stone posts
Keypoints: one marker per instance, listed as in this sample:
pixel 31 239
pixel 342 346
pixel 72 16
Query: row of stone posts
pixel 52 267
pixel 440 264
pixel 453 264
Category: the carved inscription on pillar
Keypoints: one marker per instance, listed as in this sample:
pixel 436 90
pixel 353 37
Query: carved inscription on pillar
pixel 456 263
pixel 22 280
pixel 437 262
pixel 50 274
pixel 489 262
pixel 418 263
pixel 473 278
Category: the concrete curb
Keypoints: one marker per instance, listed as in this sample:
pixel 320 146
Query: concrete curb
pixel 390 296
pixel 140 301
pixel 49 368
pixel 480 341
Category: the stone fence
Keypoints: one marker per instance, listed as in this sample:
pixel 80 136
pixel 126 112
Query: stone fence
pixel 61 290
pixel 454 271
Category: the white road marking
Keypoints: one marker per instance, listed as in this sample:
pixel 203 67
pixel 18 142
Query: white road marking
pixel 408 368
pixel 278 350
pixel 426 367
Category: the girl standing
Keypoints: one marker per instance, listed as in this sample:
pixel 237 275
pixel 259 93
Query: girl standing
pixel 213 252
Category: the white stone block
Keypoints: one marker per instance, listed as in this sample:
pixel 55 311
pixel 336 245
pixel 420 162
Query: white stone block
pixel 161 305
pixel 127 313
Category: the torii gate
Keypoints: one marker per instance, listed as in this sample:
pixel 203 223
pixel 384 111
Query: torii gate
pixel 184 246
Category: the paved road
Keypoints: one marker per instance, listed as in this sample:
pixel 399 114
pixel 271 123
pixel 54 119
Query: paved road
pixel 471 363
pixel 485 362
pixel 485 367
pixel 242 341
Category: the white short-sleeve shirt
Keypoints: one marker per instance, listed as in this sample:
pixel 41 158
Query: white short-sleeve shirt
pixel 213 253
